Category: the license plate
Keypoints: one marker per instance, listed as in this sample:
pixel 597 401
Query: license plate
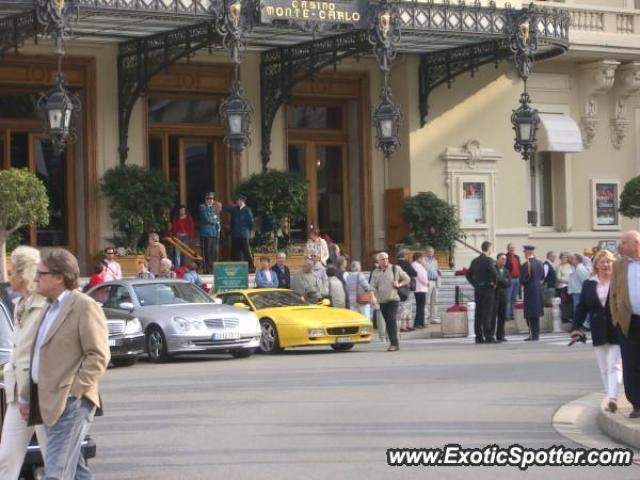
pixel 112 342
pixel 344 340
pixel 230 335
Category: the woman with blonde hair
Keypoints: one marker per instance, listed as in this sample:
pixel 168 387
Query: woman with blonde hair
pixel 16 434
pixel 594 301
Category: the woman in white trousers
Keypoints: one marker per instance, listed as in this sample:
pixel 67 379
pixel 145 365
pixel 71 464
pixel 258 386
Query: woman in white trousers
pixel 16 434
pixel 594 301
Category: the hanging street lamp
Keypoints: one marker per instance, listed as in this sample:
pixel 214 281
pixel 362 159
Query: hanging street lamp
pixel 386 120
pixel 384 35
pixel 59 105
pixel 236 112
pixel 524 45
pixel 525 121
pixel 234 21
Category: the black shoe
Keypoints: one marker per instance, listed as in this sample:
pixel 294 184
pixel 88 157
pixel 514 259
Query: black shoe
pixel 502 339
pixel 479 340
pixel 528 339
pixel 635 413
pixel 490 340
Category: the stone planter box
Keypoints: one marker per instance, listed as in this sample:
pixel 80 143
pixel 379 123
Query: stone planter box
pixel 546 322
pixel 129 264
pixel 454 324
pixel 521 323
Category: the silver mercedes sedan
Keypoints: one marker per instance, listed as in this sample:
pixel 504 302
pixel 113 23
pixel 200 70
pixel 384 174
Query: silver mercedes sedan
pixel 177 317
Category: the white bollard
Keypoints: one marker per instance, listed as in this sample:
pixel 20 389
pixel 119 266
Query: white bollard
pixel 557 317
pixel 471 315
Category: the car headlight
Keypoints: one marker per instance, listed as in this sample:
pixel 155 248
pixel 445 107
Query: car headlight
pixel 365 330
pixel 133 326
pixel 181 323
pixel 316 332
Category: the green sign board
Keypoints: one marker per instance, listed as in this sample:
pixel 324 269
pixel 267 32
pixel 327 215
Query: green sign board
pixel 230 276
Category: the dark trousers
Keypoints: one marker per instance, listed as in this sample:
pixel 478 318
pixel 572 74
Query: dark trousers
pixel 500 309
pixel 484 323
pixel 421 301
pixel 534 327
pixel 240 250
pixel 389 312
pixel 209 247
pixel 630 352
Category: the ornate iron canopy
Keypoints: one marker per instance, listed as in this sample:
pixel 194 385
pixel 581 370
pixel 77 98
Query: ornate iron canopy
pixel 451 38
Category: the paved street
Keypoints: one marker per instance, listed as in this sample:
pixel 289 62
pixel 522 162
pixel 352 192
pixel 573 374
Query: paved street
pixel 317 414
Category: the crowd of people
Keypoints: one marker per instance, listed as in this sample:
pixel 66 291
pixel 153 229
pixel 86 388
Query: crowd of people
pixel 598 291
pixel 384 296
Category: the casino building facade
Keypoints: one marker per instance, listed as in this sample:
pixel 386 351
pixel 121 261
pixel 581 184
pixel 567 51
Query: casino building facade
pixel 151 76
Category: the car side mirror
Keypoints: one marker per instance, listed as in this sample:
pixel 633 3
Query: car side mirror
pixel 126 306
pixel 244 306
pixel 325 302
pixel 217 301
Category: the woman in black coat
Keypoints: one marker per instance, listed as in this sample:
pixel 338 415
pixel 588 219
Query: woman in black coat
pixel 594 301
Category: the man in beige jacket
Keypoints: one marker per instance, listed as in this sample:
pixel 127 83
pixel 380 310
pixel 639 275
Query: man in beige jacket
pixel 625 313
pixel 70 354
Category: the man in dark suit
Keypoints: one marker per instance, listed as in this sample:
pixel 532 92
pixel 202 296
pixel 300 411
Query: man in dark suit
pixel 531 278
pixel 483 275
pixel 625 314
pixel 241 227
pixel 550 270
pixel 282 271
pixel 500 307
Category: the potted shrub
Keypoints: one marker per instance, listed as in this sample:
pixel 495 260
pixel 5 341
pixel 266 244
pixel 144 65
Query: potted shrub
pixel 140 202
pixel 277 199
pixel 630 198
pixel 432 221
pixel 24 201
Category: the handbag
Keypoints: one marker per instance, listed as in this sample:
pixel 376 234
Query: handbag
pixel 364 297
pixel 403 292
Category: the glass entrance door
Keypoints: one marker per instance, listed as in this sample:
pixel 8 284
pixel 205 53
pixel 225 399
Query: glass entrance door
pixel 195 164
pixel 198 173
pixel 324 167
pixel 31 151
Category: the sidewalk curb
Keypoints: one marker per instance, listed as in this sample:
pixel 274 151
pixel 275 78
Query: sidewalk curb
pixel 578 421
pixel 618 425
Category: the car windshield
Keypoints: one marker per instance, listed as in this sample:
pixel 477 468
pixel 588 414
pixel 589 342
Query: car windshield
pixel 169 294
pixel 5 336
pixel 272 299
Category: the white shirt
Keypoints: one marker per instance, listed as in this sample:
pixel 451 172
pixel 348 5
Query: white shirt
pixel 113 271
pixel 603 290
pixel 633 278
pixel 49 318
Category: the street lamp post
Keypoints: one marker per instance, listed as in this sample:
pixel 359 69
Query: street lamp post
pixel 384 35
pixel 234 20
pixel 524 44
pixel 59 105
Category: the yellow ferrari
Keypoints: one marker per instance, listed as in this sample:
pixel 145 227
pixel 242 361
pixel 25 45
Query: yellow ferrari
pixel 288 321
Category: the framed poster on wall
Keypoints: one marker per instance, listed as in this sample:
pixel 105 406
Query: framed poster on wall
pixel 473 203
pixel 605 202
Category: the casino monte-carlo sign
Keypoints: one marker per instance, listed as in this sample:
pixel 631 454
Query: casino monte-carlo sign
pixel 348 12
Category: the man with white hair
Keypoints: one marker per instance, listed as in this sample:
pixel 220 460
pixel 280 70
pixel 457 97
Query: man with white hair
pixel 386 279
pixel 625 314
pixel 306 283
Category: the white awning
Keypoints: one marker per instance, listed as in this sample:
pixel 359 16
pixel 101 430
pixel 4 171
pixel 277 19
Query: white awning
pixel 559 133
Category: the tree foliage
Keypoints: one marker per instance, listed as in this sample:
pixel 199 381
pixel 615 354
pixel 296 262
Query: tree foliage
pixel 141 201
pixel 630 198
pixel 276 198
pixel 23 201
pixel 432 221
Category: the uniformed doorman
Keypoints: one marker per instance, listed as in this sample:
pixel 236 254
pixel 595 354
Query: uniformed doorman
pixel 209 230
pixel 241 228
